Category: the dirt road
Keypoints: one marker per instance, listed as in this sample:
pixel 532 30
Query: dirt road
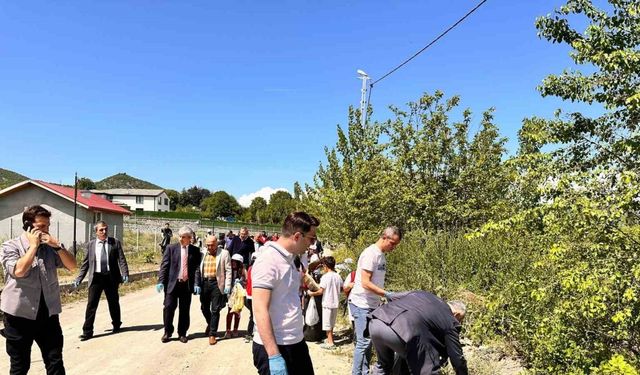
pixel 138 350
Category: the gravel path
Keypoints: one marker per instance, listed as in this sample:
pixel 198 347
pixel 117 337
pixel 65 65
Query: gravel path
pixel 138 350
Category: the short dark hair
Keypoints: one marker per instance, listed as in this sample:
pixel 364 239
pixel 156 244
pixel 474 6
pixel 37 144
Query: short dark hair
pixel 298 222
pixel 30 213
pixel 330 262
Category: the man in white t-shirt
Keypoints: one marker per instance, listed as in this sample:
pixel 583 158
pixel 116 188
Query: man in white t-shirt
pixel 278 342
pixel 367 290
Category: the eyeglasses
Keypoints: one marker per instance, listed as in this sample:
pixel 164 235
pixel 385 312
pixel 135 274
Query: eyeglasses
pixel 102 229
pixel 313 238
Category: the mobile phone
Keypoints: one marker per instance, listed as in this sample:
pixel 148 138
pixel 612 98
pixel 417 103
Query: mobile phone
pixel 28 225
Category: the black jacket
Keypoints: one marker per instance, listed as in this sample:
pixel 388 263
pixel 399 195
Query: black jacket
pixel 427 326
pixel 170 266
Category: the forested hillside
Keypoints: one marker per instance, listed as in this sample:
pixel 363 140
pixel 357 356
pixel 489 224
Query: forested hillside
pixel 8 178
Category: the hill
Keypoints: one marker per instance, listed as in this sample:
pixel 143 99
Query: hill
pixel 124 181
pixel 8 178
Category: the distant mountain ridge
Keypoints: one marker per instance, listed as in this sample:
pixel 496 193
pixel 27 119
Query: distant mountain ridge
pixel 117 181
pixel 8 178
pixel 124 181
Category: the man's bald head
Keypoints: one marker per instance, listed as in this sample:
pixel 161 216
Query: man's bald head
pixel 212 244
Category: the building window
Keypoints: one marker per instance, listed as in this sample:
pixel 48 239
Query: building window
pixel 139 200
pixel 166 201
pixel 97 216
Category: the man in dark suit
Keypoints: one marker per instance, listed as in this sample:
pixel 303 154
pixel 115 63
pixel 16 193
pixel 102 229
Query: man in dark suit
pixel 106 266
pixel 421 329
pixel 177 277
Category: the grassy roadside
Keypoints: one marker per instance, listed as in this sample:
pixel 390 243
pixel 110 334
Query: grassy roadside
pixel 82 293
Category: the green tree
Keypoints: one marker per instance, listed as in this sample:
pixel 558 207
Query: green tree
pixel 85 183
pixel 174 198
pixel 193 196
pixel 280 205
pixel 576 309
pixel 220 204
pixel 418 170
pixel 258 210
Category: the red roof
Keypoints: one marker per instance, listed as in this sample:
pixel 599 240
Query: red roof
pixel 93 202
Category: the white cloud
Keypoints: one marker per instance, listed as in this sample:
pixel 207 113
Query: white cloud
pixel 265 192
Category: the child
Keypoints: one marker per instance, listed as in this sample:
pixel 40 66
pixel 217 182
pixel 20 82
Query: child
pixel 330 287
pixel 239 274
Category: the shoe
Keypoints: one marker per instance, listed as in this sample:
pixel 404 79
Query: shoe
pixel 165 337
pixel 227 335
pixel 183 339
pixel 234 334
pixel 116 329
pixel 328 346
pixel 86 336
pixel 212 340
pixel 248 338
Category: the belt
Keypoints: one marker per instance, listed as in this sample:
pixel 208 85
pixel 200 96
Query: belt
pixel 210 278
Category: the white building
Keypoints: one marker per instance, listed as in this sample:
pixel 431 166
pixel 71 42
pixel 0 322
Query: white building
pixel 137 199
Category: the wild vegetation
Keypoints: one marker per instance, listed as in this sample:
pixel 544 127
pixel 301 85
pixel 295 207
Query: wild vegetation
pixel 544 244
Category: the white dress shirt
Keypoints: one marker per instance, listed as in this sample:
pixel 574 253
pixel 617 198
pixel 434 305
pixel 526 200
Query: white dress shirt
pixel 98 250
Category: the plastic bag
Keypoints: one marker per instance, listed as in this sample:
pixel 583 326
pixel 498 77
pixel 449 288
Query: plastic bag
pixel 236 298
pixel 311 317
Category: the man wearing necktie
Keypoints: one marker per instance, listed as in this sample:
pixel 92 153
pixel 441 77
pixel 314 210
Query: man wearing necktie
pixel 177 277
pixel 107 267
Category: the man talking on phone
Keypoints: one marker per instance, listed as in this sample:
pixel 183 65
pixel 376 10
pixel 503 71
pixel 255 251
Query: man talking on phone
pixel 31 296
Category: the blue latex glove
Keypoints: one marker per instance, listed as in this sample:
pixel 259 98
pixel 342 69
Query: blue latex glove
pixel 159 288
pixel 227 290
pixel 277 366
pixel 197 290
pixel 390 296
pixel 125 279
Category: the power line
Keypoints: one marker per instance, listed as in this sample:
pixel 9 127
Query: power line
pixel 430 44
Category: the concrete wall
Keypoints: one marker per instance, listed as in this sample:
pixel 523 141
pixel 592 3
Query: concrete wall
pixel 153 225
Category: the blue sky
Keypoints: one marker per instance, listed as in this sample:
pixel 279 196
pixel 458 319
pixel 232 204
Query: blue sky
pixel 240 95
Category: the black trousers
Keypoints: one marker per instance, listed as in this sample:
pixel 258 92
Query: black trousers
pixel 102 282
pixel 248 303
pixel 295 356
pixel 20 334
pixel 179 297
pixel 212 300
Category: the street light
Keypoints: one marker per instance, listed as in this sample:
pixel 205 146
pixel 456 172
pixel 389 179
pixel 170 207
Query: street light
pixel 363 99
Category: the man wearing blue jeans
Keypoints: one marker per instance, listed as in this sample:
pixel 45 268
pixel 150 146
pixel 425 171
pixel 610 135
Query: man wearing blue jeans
pixel 367 289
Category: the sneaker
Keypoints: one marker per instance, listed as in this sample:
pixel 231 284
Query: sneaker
pixel 248 338
pixel 227 335
pixel 234 334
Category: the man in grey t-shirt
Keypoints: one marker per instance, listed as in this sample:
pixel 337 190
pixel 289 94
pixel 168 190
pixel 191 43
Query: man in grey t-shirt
pixel 31 297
